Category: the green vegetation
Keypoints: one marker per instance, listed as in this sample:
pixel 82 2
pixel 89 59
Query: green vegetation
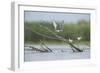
pixel 35 31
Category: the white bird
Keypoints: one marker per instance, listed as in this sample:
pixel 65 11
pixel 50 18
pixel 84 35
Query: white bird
pixel 55 25
pixel 58 30
pixel 70 40
pixel 79 38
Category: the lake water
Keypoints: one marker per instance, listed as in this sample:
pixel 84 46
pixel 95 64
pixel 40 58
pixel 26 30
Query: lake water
pixel 59 52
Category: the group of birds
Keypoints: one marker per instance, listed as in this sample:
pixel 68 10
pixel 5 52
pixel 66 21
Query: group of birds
pixel 58 30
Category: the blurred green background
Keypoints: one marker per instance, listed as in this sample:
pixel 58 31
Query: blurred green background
pixel 34 30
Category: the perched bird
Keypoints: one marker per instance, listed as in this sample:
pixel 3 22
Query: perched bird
pixel 70 40
pixel 58 30
pixel 79 38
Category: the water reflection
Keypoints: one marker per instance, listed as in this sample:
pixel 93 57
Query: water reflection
pixel 59 52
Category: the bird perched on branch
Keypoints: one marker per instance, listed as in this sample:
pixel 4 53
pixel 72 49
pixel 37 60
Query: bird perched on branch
pixel 70 40
pixel 79 38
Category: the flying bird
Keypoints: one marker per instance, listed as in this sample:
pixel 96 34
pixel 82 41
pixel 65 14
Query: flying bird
pixel 57 27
